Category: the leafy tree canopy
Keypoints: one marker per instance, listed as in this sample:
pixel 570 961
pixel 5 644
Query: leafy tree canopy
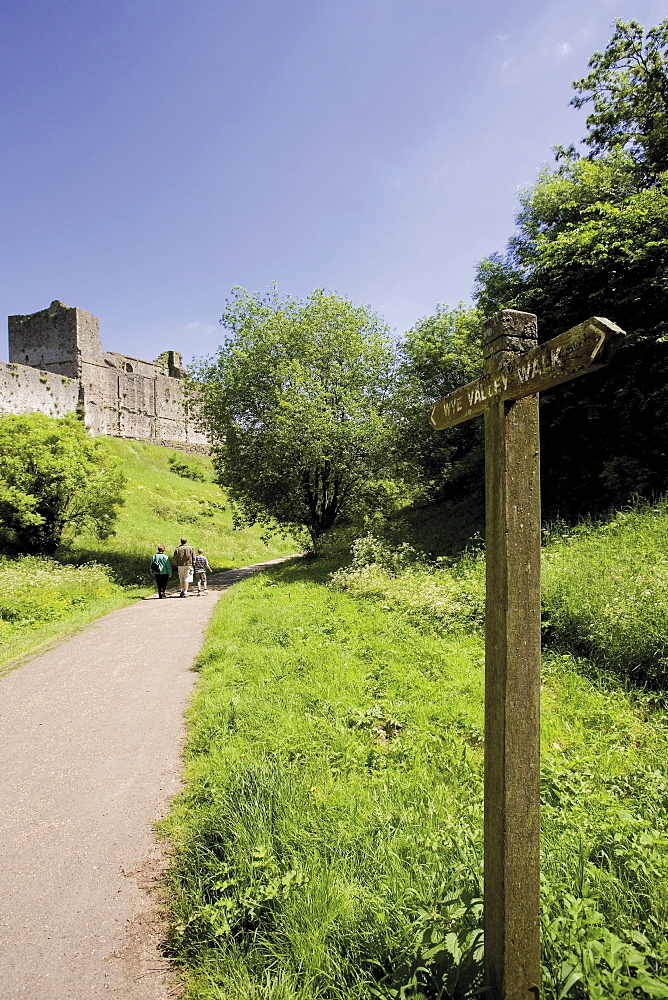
pixel 55 481
pixel 627 87
pixel 585 247
pixel 579 190
pixel 444 350
pixel 440 353
pixel 298 405
pixel 588 243
pixel 592 239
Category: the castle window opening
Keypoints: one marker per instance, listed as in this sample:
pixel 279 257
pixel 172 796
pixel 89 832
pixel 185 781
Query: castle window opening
pixel 128 367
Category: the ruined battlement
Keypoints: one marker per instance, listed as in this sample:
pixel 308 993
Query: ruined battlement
pixel 57 364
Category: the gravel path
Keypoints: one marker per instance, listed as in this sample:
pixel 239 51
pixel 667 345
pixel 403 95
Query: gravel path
pixel 91 734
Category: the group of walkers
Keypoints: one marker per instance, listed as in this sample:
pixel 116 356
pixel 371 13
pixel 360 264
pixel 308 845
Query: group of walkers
pixel 190 567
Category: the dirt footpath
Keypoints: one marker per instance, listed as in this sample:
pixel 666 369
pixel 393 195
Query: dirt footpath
pixel 91 734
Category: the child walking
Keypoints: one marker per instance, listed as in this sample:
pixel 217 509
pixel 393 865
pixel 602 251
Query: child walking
pixel 201 569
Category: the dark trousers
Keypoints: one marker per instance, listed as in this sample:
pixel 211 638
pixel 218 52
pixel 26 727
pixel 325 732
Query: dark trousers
pixel 161 582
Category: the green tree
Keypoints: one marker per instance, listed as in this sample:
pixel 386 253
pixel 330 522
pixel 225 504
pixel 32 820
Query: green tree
pixel 590 243
pixel 443 351
pixel 438 354
pixel 628 90
pixel 55 481
pixel 298 404
pixel 592 239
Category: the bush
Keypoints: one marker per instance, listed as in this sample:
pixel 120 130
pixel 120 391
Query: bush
pixel 425 590
pixel 55 481
pixel 185 470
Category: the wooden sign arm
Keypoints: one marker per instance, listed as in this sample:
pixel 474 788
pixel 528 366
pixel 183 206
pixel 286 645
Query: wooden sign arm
pixel 584 348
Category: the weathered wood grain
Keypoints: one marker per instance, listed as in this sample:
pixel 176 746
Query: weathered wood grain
pixel 516 370
pixel 512 678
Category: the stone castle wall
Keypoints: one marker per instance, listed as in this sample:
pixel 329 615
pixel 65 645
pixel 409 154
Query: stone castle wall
pixel 56 365
pixel 23 390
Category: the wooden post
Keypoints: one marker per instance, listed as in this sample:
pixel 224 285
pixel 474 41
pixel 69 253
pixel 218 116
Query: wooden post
pixel 512 674
pixel 516 370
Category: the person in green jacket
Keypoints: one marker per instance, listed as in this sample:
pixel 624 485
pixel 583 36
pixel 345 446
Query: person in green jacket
pixel 161 568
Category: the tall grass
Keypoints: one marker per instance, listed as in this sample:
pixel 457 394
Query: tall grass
pixel 605 593
pixel 605 590
pixel 325 814
pixel 40 599
pixel 434 593
pixel 329 840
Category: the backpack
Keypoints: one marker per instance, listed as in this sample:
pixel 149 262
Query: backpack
pixel 155 566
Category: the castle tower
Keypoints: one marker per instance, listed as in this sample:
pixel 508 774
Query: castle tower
pixel 56 365
pixel 58 339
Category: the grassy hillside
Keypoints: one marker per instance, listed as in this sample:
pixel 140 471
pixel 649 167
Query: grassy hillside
pixel 329 841
pixel 42 600
pixel 161 506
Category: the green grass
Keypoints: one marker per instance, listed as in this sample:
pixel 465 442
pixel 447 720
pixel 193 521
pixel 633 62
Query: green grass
pixel 605 593
pixel 43 600
pixel 329 841
pixel 604 589
pixel 295 828
pixel 161 507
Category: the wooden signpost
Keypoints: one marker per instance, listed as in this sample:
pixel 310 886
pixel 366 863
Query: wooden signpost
pixel 516 370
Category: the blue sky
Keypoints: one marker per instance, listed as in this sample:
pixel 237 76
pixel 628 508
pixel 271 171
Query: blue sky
pixel 156 153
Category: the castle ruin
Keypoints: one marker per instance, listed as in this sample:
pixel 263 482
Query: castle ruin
pixel 57 365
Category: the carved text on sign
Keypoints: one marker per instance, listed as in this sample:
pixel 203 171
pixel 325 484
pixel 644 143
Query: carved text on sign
pixel 582 349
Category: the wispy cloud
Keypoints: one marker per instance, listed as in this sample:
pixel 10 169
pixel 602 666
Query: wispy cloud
pixel 199 328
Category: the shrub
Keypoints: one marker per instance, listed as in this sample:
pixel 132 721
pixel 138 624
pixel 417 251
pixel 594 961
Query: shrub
pixel 55 481
pixel 35 590
pixel 181 468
